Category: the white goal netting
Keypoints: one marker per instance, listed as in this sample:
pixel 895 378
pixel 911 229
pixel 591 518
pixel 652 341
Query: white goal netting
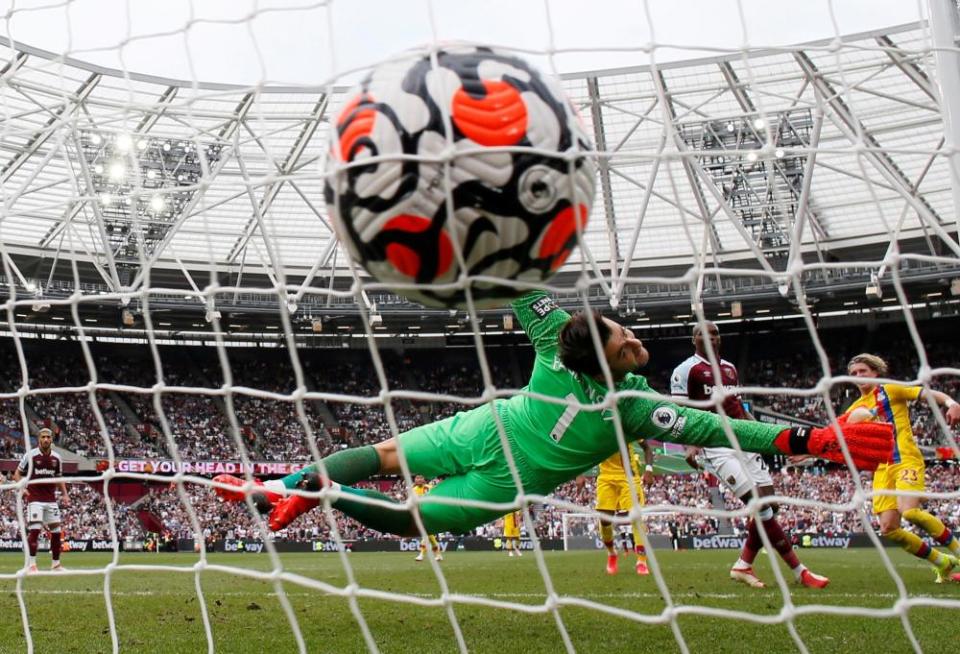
pixel 177 306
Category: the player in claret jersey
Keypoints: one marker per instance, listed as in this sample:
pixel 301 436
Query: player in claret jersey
pixel 42 510
pixel 696 379
pixel 551 440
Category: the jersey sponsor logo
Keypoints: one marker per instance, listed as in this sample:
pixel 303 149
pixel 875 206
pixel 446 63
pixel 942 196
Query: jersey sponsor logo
pixel 709 390
pixel 664 417
pixel 544 306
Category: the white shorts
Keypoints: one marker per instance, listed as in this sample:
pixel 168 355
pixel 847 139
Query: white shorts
pixel 738 477
pixel 45 513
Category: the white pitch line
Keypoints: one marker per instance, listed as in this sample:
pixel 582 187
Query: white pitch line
pixel 539 596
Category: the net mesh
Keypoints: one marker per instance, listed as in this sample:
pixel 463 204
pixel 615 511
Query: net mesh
pixel 749 180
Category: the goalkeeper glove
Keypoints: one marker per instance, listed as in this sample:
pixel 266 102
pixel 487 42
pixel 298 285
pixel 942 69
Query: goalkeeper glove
pixel 869 443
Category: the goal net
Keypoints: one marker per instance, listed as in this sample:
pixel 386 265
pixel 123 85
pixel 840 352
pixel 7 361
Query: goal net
pixel 178 306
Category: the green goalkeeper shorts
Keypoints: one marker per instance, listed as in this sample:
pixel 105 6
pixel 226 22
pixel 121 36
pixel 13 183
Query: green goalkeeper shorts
pixel 467 450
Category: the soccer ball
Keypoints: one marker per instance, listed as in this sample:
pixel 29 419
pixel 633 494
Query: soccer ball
pixel 507 205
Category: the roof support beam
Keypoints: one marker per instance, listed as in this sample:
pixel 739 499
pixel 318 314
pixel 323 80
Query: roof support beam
pixel 49 129
pixel 908 67
pixel 299 146
pixel 698 179
pixel 225 135
pixel 733 82
pixel 12 66
pixel 145 125
pixel 803 203
pixel 603 163
pixel 747 105
pixel 857 132
pixel 153 115
pixel 945 30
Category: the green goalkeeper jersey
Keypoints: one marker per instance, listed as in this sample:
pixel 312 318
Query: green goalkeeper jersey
pixel 562 440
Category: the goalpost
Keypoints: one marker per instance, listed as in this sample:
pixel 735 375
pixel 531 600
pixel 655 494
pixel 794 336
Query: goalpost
pixel 798 186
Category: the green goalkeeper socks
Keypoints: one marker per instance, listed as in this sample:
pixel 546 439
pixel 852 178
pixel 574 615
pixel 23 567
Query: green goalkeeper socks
pixel 384 520
pixel 344 467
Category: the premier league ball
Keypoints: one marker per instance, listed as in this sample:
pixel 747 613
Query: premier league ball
pixel 470 163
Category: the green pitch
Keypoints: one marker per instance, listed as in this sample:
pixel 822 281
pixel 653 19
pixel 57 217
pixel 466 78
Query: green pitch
pixel 158 611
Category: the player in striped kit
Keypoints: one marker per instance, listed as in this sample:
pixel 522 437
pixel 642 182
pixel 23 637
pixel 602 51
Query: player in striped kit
pixel 42 509
pixel 889 403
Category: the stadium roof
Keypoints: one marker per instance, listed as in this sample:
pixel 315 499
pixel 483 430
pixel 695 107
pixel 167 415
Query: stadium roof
pixel 744 161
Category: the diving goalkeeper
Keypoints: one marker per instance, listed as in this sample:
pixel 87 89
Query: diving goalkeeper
pixel 551 442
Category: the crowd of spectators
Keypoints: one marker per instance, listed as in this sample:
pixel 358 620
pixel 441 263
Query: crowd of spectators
pixel 274 428
pixel 676 503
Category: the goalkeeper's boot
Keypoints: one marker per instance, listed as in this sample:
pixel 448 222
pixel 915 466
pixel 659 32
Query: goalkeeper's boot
pixel 812 580
pixel 289 509
pixel 263 498
pixel 642 568
pixel 437 556
pixel 32 569
pixel 746 576
pixel 419 557
pixel 56 566
pixel 611 564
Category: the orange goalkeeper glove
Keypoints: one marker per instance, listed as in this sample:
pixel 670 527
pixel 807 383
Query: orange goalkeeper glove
pixel 869 443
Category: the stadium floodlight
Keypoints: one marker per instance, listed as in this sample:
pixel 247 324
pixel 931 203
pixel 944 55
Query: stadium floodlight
pixel 157 203
pixel 124 143
pixel 759 123
pixel 117 171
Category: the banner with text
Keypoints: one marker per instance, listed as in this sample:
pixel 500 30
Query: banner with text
pixel 167 466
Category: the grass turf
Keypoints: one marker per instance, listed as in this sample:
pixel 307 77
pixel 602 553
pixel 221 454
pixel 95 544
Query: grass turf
pixel 159 610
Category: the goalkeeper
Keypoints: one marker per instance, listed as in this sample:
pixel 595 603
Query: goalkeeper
pixel 550 442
